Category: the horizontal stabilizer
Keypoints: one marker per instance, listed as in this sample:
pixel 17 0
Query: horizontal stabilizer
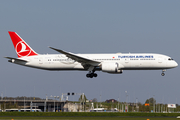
pixel 15 59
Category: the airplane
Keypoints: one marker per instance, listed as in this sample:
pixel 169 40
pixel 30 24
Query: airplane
pixel 109 63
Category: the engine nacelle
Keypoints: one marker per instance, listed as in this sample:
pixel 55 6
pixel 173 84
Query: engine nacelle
pixel 112 67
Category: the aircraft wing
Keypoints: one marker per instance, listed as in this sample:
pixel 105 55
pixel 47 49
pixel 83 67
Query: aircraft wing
pixel 77 58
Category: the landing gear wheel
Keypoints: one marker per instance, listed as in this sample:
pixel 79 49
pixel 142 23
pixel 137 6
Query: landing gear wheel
pixel 162 74
pixel 91 75
pixel 87 75
pixel 94 75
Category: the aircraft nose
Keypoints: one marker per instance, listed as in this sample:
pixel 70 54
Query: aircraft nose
pixel 172 64
pixel 176 64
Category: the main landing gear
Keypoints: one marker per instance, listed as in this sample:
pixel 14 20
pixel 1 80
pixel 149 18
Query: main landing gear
pixel 163 74
pixel 91 75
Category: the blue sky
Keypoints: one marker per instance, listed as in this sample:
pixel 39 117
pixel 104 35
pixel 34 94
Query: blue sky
pixel 96 26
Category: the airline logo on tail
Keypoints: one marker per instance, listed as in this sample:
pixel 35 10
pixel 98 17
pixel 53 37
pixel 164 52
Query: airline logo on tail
pixel 21 47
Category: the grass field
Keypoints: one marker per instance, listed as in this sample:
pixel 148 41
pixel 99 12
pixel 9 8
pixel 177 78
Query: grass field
pixel 86 118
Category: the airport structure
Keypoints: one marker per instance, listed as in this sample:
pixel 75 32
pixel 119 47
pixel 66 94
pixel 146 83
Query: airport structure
pixel 61 104
pixel 44 105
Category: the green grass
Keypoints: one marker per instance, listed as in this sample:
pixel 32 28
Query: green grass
pixel 85 118
pixel 85 114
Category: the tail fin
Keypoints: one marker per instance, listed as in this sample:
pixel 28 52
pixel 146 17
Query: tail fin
pixel 21 47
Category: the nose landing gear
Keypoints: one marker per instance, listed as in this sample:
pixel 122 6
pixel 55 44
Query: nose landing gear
pixel 163 72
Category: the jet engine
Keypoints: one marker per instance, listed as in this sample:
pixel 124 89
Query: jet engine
pixel 112 67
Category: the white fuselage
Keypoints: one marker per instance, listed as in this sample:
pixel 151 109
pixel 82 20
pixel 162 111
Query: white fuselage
pixel 129 61
pixel 110 63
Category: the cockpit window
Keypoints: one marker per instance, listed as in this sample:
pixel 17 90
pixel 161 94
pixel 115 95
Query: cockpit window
pixel 170 59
